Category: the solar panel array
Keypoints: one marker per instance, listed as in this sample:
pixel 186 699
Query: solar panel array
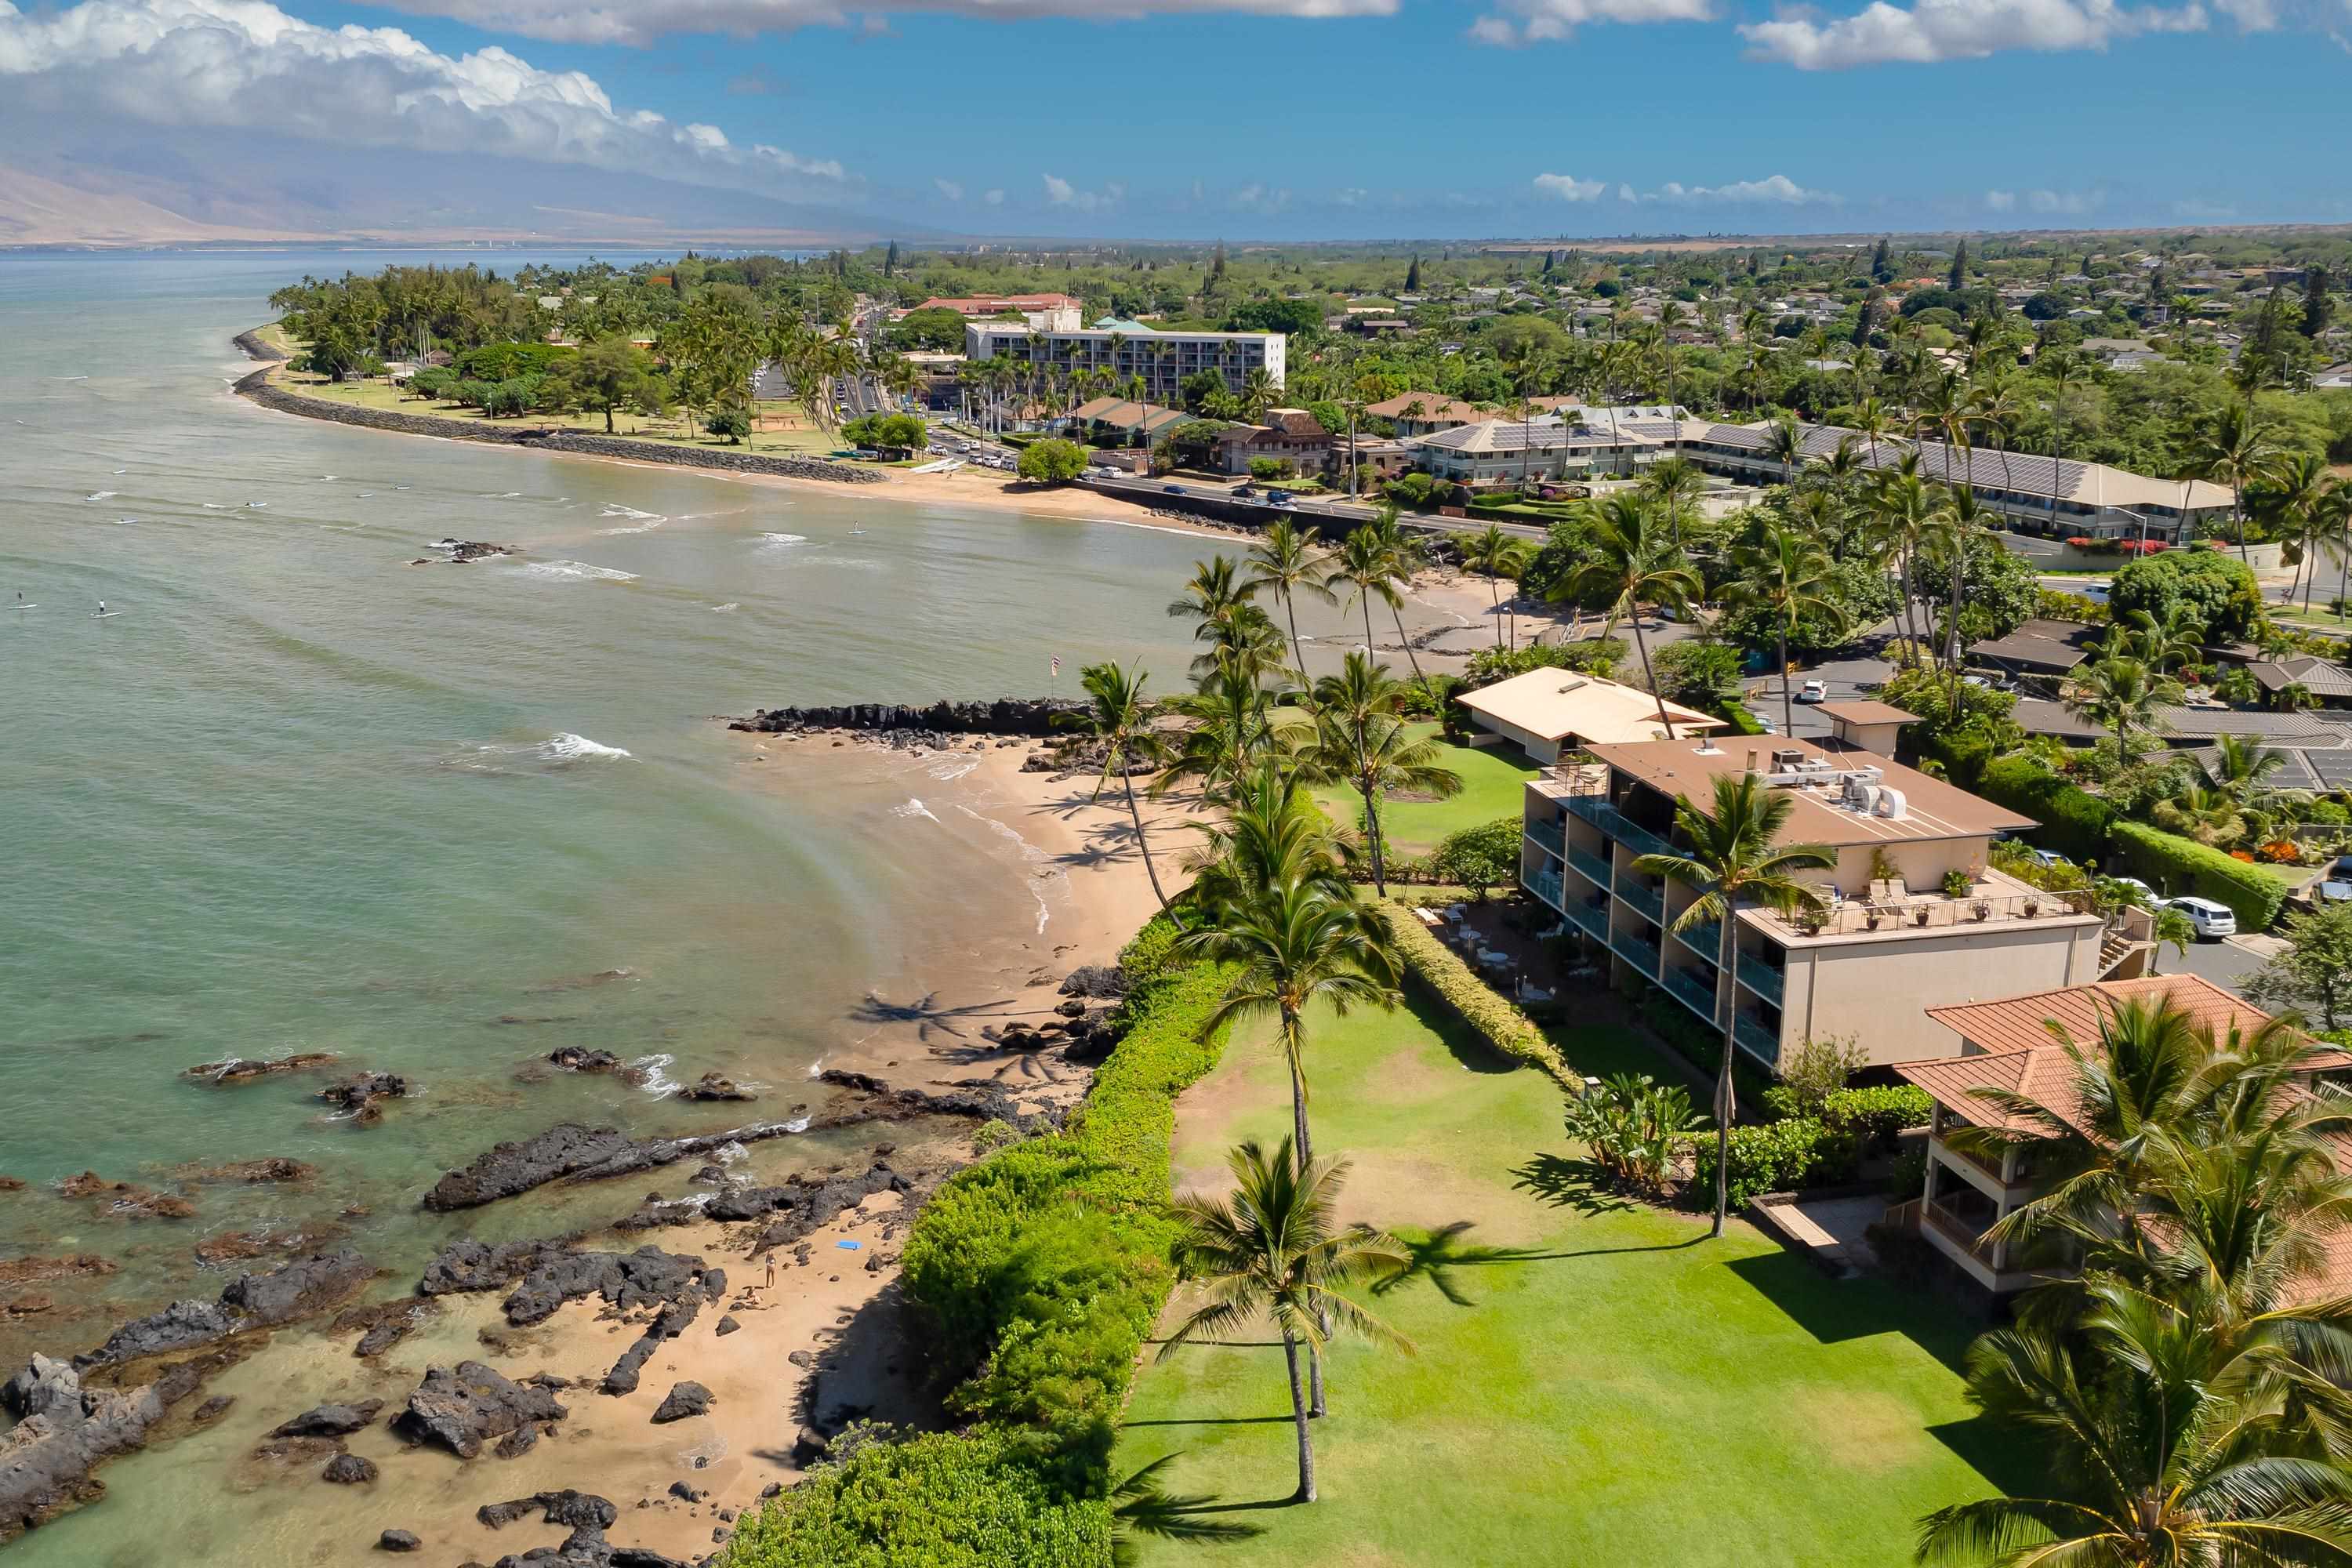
pixel 2333 768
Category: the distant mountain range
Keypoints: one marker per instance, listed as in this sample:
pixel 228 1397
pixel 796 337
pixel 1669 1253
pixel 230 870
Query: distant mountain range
pixel 144 195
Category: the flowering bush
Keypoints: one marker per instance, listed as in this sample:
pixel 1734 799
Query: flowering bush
pixel 2280 852
pixel 2241 855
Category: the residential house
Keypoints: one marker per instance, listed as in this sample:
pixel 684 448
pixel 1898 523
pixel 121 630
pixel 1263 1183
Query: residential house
pixel 1506 451
pixel 2038 648
pixel 1425 412
pixel 2322 677
pixel 1290 436
pixel 2007 1046
pixel 1888 938
pixel 1546 711
pixel 1125 417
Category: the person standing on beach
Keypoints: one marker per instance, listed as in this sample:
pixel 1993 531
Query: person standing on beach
pixel 772 1271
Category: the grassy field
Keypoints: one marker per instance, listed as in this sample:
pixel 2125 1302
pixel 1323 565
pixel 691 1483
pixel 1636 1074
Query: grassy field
pixel 1492 781
pixel 1614 1389
pixel 793 431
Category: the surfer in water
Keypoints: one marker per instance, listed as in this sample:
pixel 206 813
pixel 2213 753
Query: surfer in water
pixel 102 606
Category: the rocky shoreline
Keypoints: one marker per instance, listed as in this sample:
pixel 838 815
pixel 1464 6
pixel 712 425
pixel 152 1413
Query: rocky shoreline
pixel 257 388
pixel 1022 718
pixel 75 1412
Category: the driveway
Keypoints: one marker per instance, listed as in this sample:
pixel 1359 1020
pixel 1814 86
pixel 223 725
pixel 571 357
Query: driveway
pixel 2227 963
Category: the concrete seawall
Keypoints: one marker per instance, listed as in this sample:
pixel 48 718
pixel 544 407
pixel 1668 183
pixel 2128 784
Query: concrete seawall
pixel 257 388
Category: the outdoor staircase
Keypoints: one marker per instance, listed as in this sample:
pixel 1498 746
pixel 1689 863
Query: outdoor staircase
pixel 2115 949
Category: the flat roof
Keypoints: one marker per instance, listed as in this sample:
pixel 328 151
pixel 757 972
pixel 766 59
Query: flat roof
pixel 1864 712
pixel 1557 703
pixel 1932 808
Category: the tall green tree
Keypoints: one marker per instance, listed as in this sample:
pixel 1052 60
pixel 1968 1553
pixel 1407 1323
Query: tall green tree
pixel 1735 860
pixel 1122 722
pixel 1276 1250
pixel 2233 449
pixel 1631 562
pixel 1361 742
pixel 1789 575
pixel 1288 560
pixel 1496 556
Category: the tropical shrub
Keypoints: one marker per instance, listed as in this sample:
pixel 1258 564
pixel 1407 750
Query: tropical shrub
pixel 1776 1157
pixel 2214 592
pixel 1480 858
pixel 1052 461
pixel 1592 656
pixel 1875 1114
pixel 2180 866
pixel 1814 1070
pixel 2075 822
pixel 1631 1126
pixel 1438 970
pixel 728 422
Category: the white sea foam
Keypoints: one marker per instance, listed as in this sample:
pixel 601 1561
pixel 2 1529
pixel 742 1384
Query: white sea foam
pixel 215 506
pixel 658 1081
pixel 99 495
pixel 367 494
pixel 258 505
pixel 575 570
pixel 800 1124
pixel 783 539
pixel 912 808
pixel 947 770
pixel 645 522
pixel 1031 854
pixel 722 609
pixel 568 747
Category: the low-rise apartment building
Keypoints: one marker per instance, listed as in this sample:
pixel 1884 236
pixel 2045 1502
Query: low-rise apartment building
pixel 1290 436
pixel 1129 349
pixel 1505 451
pixel 2008 1047
pixel 1889 941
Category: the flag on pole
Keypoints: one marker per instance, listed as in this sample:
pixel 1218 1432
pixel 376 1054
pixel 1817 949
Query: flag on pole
pixel 1057 666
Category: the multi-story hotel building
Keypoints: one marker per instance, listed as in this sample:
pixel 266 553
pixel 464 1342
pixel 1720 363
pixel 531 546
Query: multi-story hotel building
pixel 1131 349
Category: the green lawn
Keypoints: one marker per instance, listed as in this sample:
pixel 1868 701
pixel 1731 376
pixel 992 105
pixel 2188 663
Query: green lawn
pixel 1625 1393
pixel 802 437
pixel 1492 785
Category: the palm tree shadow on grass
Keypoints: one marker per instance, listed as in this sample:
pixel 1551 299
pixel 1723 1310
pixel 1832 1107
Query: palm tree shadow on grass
pixel 1564 1182
pixel 1434 1258
pixel 1139 1507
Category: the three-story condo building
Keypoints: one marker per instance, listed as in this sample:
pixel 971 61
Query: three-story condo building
pixel 1890 940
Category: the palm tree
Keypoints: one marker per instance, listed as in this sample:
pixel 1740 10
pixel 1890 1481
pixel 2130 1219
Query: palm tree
pixel 1361 562
pixel 2292 500
pixel 1400 558
pixel 1789 575
pixel 1903 512
pixel 2064 370
pixel 1286 559
pixel 1735 859
pixel 2239 765
pixel 1631 563
pixel 1784 443
pixel 1672 481
pixel 1367 747
pixel 1232 731
pixel 1497 554
pixel 1273 834
pixel 1274 1250
pixel 2122 696
pixel 2189 1448
pixel 1120 720
pixel 2234 450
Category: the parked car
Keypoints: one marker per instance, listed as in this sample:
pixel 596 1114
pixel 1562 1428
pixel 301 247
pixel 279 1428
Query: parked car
pixel 1814 691
pixel 2139 889
pixel 1173 490
pixel 2211 921
pixel 2044 857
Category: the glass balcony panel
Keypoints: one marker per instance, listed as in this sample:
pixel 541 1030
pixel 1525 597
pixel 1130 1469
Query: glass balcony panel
pixel 1761 978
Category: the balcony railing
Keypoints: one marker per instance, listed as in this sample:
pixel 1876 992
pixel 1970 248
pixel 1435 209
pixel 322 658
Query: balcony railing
pixel 1545 884
pixel 1706 939
pixel 1761 978
pixel 1695 993
pixel 1596 810
pixel 1968 1233
pixel 1651 902
pixel 1642 955
pixel 1591 918
pixel 1757 1039
pixel 1551 835
pixel 1930 912
pixel 1595 868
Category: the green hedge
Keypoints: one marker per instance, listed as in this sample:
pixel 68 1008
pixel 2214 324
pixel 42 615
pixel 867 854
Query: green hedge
pixel 2177 866
pixel 1776 1157
pixel 1875 1115
pixel 1440 971
pixel 1032 1278
pixel 2075 822
pixel 942 1501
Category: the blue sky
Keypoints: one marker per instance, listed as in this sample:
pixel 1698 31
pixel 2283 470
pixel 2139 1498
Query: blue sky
pixel 1412 118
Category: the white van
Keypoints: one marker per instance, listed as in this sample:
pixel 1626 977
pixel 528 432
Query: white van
pixel 2211 920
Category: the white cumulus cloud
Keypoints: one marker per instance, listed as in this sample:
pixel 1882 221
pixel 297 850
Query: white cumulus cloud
pixel 994 198
pixel 2002 201
pixel 1062 194
pixel 2072 203
pixel 1569 188
pixel 642 21
pixel 1550 21
pixel 1773 188
pixel 244 64
pixel 949 188
pixel 1935 30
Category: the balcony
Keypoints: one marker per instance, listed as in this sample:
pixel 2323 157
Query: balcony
pixel 1594 867
pixel 1597 811
pixel 1706 939
pixel 1651 902
pixel 1551 836
pixel 1995 900
pixel 1544 884
pixel 1756 1040
pixel 1961 1229
pixel 1641 954
pixel 1592 918
pixel 1761 978
pixel 1691 991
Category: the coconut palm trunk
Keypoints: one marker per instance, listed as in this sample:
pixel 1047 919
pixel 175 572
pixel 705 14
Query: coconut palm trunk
pixel 1143 848
pixel 1649 675
pixel 1298 1415
pixel 1787 704
pixel 1373 838
pixel 1725 958
pixel 1294 1044
pixel 1411 658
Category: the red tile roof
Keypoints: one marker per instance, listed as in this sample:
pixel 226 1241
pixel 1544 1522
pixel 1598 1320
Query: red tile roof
pixel 2020 1023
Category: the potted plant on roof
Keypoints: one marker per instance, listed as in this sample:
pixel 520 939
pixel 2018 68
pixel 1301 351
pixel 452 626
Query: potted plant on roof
pixel 1920 915
pixel 1957 883
pixel 1981 909
pixel 2033 905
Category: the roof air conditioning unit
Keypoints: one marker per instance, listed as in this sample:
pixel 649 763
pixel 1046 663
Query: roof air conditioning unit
pixel 1859 796
pixel 1891 804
